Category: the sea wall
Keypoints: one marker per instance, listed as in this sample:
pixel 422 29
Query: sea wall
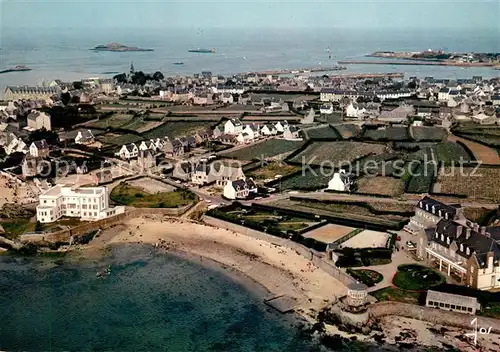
pixel 433 315
pixel 319 259
pixel 63 236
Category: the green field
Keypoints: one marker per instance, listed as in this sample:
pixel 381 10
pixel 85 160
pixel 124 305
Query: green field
pixel 267 149
pixel 272 169
pixel 306 180
pixel 415 277
pixel 421 133
pixel 136 197
pixel 336 153
pixel 347 131
pixel 387 134
pixel 118 139
pixel 322 132
pixel 176 129
pixel 448 152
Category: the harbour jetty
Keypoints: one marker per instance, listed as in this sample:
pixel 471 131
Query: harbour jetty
pixel 17 68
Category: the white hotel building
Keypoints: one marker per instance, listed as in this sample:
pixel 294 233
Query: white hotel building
pixel 87 203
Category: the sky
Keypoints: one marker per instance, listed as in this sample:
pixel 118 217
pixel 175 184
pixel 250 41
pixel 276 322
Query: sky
pixel 158 14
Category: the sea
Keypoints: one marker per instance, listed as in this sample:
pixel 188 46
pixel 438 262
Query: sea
pixel 63 53
pixel 148 302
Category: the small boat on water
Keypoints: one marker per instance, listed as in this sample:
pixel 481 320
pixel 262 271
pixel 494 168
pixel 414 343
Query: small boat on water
pixel 203 51
pixel 178 63
pixel 17 68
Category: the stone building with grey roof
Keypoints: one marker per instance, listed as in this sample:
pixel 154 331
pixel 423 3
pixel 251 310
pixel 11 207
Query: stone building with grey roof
pixel 456 246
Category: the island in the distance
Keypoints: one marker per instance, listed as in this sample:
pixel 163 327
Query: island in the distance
pixel 118 47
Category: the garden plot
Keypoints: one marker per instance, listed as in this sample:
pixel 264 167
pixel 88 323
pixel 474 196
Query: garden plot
pixel 329 233
pixel 367 239
pixel 425 133
pixel 348 130
pixel 336 153
pixel 151 185
pixel 388 186
pixel 267 149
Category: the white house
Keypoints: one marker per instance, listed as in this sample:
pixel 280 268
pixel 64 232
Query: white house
pixel 226 98
pixel 340 182
pixel 239 189
pixel 233 126
pixel 39 149
pixel 355 110
pixel 87 203
pixel 309 118
pixel 268 130
pixel 280 126
pixel 252 130
pixel 128 151
pixel 291 133
pixel 444 94
pixel 84 137
pixel 326 109
pixel 147 145
pixel 38 120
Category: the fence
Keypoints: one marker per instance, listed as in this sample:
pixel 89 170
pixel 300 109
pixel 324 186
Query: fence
pixel 433 315
pixel 319 259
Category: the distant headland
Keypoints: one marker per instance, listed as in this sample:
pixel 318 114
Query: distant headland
pixel 118 47
pixel 431 57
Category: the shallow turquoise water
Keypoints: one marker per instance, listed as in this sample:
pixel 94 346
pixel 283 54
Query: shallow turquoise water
pixel 150 302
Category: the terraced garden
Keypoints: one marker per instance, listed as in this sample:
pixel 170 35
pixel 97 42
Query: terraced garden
pixel 336 153
pixel 267 149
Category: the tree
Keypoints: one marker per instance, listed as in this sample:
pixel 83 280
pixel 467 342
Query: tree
pixel 38 226
pixel 65 98
pixel 50 136
pixel 121 78
pixel 78 85
pixel 412 85
pixel 158 76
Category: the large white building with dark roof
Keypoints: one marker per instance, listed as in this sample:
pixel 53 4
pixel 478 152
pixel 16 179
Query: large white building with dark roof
pixel 30 93
pixel 467 252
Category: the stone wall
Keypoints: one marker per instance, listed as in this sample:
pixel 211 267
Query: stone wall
pixel 433 315
pixel 63 236
pixel 319 259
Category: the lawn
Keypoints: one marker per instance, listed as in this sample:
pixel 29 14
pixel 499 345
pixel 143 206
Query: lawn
pixel 368 277
pixel 415 277
pixel 481 184
pixel 136 197
pixel 272 169
pixel 116 120
pixel 334 154
pixel 395 294
pixel 388 186
pixel 267 149
pixel 118 139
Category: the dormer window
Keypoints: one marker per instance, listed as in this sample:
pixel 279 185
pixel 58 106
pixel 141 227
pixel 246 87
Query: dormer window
pixel 437 235
pixel 467 251
pixel 448 240
pixel 442 237
pixel 461 247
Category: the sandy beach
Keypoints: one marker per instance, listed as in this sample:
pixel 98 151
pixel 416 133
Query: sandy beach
pixel 279 270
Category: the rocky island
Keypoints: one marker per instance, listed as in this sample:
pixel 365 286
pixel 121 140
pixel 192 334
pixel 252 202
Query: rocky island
pixel 431 57
pixel 118 47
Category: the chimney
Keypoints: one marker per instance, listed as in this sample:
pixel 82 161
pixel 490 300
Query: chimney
pixel 459 230
pixel 483 230
pixel 476 227
pixel 489 260
pixel 467 233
